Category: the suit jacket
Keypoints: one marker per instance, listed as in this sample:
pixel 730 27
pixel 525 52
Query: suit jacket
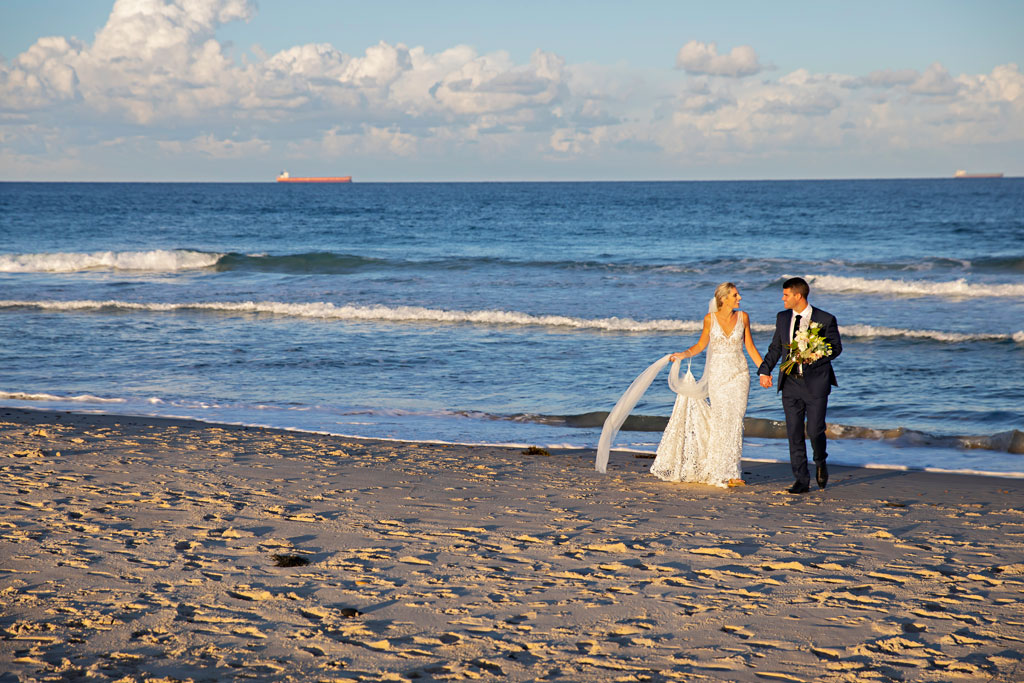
pixel 819 377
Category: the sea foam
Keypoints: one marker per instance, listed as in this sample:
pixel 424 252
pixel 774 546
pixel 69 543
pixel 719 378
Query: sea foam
pixel 155 261
pixel 329 311
pixel 417 314
pixel 957 289
pixel 83 398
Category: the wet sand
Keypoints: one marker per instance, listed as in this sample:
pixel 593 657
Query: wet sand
pixel 142 549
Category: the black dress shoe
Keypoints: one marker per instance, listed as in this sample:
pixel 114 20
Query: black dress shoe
pixel 822 475
pixel 798 488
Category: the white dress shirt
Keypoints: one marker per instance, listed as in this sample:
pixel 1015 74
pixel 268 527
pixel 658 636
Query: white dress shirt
pixel 805 320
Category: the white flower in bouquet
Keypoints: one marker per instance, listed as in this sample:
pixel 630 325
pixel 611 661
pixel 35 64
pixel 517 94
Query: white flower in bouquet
pixel 807 346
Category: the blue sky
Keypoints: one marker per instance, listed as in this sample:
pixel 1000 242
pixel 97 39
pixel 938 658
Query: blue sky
pixel 508 91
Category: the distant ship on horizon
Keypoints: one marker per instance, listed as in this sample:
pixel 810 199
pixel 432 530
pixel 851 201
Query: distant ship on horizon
pixel 964 174
pixel 286 178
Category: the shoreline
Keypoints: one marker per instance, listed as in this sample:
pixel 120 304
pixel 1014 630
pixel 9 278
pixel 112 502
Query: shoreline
pixel 516 182
pixel 1016 439
pixel 145 549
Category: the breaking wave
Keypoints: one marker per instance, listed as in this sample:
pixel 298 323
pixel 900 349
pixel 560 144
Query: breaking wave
pixel 174 260
pixel 83 398
pixel 155 261
pixel 329 311
pixel 418 314
pixel 957 289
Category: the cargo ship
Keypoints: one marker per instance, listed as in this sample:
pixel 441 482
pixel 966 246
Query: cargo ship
pixel 965 174
pixel 286 178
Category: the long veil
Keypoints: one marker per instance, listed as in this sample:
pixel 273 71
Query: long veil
pixel 624 406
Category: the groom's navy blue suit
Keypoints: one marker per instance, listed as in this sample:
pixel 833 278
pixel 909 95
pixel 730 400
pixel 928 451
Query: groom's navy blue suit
pixel 804 398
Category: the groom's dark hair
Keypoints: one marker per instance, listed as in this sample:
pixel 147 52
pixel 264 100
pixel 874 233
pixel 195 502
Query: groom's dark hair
pixel 798 285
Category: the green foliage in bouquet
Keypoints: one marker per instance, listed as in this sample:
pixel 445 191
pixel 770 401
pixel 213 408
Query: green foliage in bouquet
pixel 807 346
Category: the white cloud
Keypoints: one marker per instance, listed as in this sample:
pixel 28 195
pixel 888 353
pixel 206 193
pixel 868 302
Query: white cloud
pixel 382 64
pixel 804 110
pixel 156 81
pixel 211 146
pixel 40 76
pixel 492 84
pixel 390 140
pixel 702 58
pixel 144 31
pixel 935 81
pixel 1004 84
pixel 572 142
pixel 361 141
pixel 885 78
pixel 153 58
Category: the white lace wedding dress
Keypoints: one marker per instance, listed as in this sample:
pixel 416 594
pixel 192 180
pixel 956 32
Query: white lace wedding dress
pixel 703 443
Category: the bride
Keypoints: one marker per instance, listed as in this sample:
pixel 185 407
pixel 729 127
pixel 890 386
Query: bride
pixel 701 443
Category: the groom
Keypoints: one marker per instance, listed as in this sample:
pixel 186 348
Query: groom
pixel 806 388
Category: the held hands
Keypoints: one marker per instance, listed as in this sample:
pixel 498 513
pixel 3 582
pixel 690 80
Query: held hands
pixel 766 381
pixel 678 356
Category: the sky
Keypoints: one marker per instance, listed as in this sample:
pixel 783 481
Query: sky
pixel 239 90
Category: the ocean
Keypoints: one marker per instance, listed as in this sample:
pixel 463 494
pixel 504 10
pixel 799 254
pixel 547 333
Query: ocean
pixel 515 313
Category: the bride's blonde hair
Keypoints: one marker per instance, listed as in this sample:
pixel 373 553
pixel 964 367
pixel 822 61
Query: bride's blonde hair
pixel 721 292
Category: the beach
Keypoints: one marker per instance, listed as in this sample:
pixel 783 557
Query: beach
pixel 321 322
pixel 142 549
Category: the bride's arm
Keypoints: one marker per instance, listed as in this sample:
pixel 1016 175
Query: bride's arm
pixel 705 335
pixel 749 342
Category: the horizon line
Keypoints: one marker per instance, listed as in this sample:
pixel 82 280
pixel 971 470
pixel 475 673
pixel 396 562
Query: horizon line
pixel 520 181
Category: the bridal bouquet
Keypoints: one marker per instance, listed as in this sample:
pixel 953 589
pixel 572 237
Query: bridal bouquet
pixel 807 346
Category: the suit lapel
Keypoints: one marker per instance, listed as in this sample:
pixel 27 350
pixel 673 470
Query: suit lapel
pixel 785 322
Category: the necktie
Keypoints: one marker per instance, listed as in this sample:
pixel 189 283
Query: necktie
pixel 796 328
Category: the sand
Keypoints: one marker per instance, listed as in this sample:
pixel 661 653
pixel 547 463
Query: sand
pixel 141 549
